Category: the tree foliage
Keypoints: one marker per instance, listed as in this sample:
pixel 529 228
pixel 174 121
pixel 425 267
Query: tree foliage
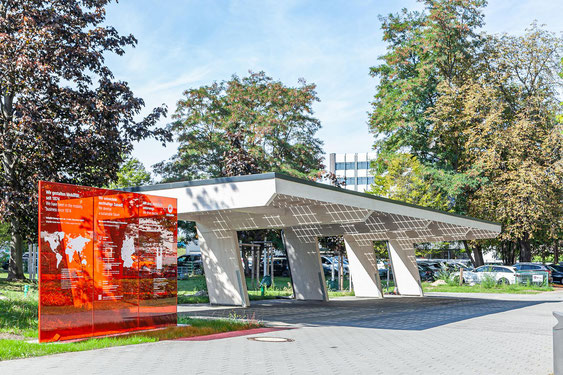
pixel 243 126
pixel 424 49
pixel 63 115
pixel 512 138
pixel 4 235
pixel 131 173
pixel 471 118
pixel 406 181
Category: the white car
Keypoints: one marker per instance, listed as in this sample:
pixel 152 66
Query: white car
pixel 501 274
pixel 329 261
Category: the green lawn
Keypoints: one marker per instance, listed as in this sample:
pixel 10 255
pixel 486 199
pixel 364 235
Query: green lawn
pixel 281 288
pixel 478 288
pixel 18 313
pixel 19 325
pixel 11 349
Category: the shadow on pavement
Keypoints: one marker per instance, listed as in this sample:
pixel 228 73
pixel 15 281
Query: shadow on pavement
pixel 403 313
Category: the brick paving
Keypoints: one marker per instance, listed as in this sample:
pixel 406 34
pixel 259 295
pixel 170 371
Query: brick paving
pixel 438 334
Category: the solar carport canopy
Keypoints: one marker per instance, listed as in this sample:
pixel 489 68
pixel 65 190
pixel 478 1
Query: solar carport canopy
pixel 305 211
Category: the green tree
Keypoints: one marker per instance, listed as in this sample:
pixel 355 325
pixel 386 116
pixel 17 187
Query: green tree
pixel 405 179
pixel 476 114
pixel 424 49
pixel 131 173
pixel 506 117
pixel 63 116
pixel 4 235
pixel 437 46
pixel 243 126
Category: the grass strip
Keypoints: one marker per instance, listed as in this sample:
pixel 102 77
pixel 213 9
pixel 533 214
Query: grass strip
pixel 12 349
pixel 507 289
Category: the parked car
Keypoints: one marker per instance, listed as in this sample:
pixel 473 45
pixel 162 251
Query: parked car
pixel 527 268
pixel 556 273
pixel 501 274
pixel 190 260
pixel 281 267
pixel 4 259
pixel 455 266
pixel 426 273
pixel 383 273
pixel 434 266
pixel 327 263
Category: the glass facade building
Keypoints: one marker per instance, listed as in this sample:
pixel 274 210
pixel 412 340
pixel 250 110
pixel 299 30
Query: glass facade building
pixel 353 169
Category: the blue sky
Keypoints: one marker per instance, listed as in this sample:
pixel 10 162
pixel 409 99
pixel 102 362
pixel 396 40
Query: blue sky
pixel 332 43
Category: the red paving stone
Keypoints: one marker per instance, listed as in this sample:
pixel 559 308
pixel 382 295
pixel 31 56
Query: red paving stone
pixel 224 335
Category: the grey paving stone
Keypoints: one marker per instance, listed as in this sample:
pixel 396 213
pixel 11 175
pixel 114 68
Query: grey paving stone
pixel 476 334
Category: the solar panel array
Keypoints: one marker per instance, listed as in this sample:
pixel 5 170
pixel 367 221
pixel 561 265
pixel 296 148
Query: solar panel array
pixel 310 219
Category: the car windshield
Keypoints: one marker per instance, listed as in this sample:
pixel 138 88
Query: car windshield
pixel 557 268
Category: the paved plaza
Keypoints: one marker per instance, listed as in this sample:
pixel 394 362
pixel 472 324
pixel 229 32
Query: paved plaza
pixel 437 334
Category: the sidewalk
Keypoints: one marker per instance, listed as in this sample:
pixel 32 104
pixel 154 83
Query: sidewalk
pixel 476 334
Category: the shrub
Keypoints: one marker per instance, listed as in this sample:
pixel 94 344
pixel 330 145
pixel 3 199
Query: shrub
pixel 488 282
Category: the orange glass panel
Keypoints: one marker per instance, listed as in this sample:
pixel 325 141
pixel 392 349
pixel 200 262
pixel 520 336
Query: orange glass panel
pixel 116 271
pixel 157 266
pixel 107 261
pixel 66 264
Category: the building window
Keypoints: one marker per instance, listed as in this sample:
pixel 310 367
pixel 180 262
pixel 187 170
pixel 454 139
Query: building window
pixel 365 180
pixel 363 165
pixel 350 181
pixel 344 166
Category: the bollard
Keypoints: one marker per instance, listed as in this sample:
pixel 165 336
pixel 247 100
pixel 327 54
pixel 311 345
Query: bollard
pixel 25 290
pixel 558 344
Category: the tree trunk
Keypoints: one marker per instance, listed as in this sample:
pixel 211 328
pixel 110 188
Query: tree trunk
pixel 525 250
pixel 556 252
pixel 15 267
pixel 509 253
pixel 340 272
pixel 468 251
pixel 478 253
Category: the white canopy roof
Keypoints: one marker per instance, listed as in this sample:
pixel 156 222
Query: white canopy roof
pixel 274 200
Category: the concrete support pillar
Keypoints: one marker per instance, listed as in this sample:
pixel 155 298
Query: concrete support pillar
pixel 224 273
pixel 558 344
pixel 363 268
pixel 306 269
pixel 405 269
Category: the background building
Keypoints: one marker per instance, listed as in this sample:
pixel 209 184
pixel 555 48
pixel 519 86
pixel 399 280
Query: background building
pixel 353 169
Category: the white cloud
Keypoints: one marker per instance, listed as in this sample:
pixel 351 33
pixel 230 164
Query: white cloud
pixel 185 44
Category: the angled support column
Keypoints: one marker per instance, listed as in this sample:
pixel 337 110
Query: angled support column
pixel 306 269
pixel 363 268
pixel 224 274
pixel 405 269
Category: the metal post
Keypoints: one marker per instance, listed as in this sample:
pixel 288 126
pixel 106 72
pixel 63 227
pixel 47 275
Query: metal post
pixel 272 264
pixel 558 344
pixel 29 250
pixel 255 266
pixel 340 275
pixel 258 256
pixel 34 262
pixel 265 261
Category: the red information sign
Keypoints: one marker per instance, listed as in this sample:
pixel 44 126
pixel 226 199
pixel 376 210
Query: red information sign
pixel 107 261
